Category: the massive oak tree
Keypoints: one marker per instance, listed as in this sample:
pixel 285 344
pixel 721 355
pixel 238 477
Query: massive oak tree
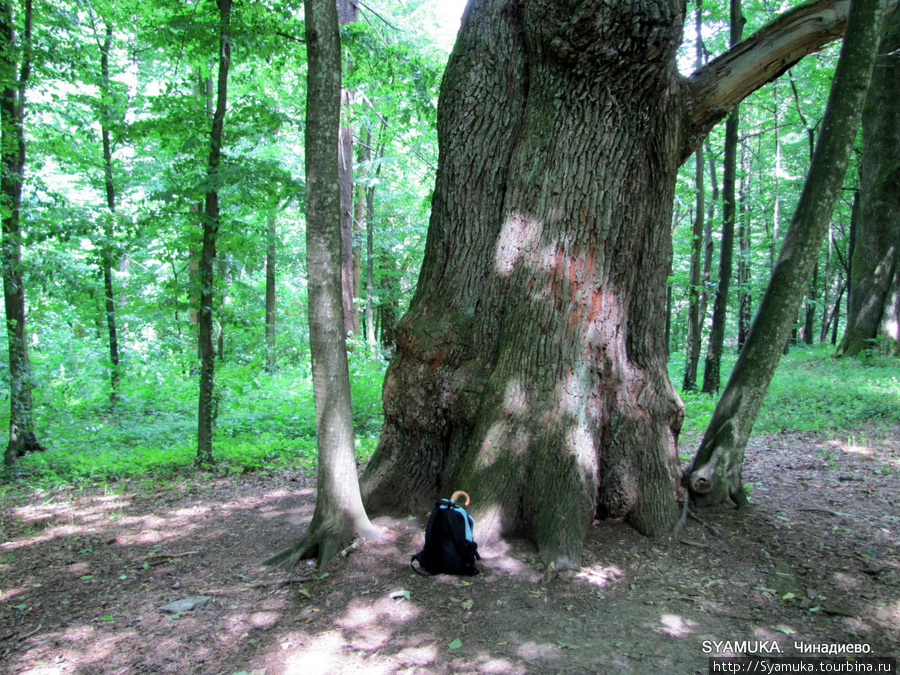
pixel 531 366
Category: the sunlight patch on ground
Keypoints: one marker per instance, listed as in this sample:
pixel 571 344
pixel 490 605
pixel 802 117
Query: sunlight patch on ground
pixel 676 626
pixel 880 449
pixel 327 654
pixel 532 651
pixel 267 507
pixel 370 624
pixel 264 619
pixel 848 582
pixel 888 615
pixel 77 648
pixel 601 576
pixel 488 664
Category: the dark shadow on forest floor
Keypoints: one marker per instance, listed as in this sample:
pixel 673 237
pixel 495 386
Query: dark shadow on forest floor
pixel 83 574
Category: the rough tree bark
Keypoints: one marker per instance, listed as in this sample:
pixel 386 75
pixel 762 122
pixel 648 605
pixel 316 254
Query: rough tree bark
pixel 14 78
pixel 339 509
pixel 715 475
pixel 207 408
pixel 875 296
pixel 531 368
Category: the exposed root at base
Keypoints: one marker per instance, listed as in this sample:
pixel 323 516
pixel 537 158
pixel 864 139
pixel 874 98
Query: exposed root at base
pixel 677 531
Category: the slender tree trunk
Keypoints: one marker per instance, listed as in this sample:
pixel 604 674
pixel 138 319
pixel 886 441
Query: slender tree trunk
pixel 271 250
pixel 22 437
pixel 388 310
pixel 829 283
pixel 371 338
pixel 712 368
pixel 207 408
pixel 339 510
pixel 108 255
pixel 874 312
pixel 709 248
pixel 348 13
pixel 776 215
pixel 744 257
pixel 367 200
pixel 812 294
pixel 695 317
pixel 715 474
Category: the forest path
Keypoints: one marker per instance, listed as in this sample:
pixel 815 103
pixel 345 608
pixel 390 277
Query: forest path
pixel 85 571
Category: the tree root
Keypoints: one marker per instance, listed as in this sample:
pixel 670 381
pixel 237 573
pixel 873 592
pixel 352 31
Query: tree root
pixel 677 531
pixel 319 543
pixel 161 558
pixel 836 514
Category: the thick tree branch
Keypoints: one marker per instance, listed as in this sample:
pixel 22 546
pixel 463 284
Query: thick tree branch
pixel 718 86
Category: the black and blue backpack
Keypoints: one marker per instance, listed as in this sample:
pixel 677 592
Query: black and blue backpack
pixel 449 545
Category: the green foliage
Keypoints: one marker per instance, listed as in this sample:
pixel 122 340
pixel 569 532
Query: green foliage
pixel 266 420
pixel 812 391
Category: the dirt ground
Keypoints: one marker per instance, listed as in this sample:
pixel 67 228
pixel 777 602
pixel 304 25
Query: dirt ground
pixel 84 574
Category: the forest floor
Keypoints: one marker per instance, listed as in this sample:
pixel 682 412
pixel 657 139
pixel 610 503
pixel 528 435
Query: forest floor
pixel 85 574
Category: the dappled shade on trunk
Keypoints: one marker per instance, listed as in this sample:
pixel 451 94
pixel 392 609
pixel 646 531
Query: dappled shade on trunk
pixel 531 366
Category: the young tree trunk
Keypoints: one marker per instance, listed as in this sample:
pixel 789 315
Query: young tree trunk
pixel 713 365
pixel 108 255
pixel 14 76
pixel 339 510
pixel 348 13
pixel 745 310
pixel 531 367
pixel 695 316
pixel 271 250
pixel 874 301
pixel 388 306
pixel 709 248
pixel 207 408
pixel 715 475
pixel 829 282
pixel 811 296
pixel 371 339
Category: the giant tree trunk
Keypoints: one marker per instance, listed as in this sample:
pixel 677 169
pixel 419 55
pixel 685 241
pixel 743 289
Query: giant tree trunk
pixel 207 407
pixel 531 367
pixel 339 510
pixel 715 474
pixel 875 289
pixel 22 437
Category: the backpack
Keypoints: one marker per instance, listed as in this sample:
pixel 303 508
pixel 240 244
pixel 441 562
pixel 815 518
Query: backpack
pixel 449 547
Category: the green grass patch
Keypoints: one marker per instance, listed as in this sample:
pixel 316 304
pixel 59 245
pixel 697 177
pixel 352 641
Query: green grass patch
pixel 266 422
pixel 813 391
